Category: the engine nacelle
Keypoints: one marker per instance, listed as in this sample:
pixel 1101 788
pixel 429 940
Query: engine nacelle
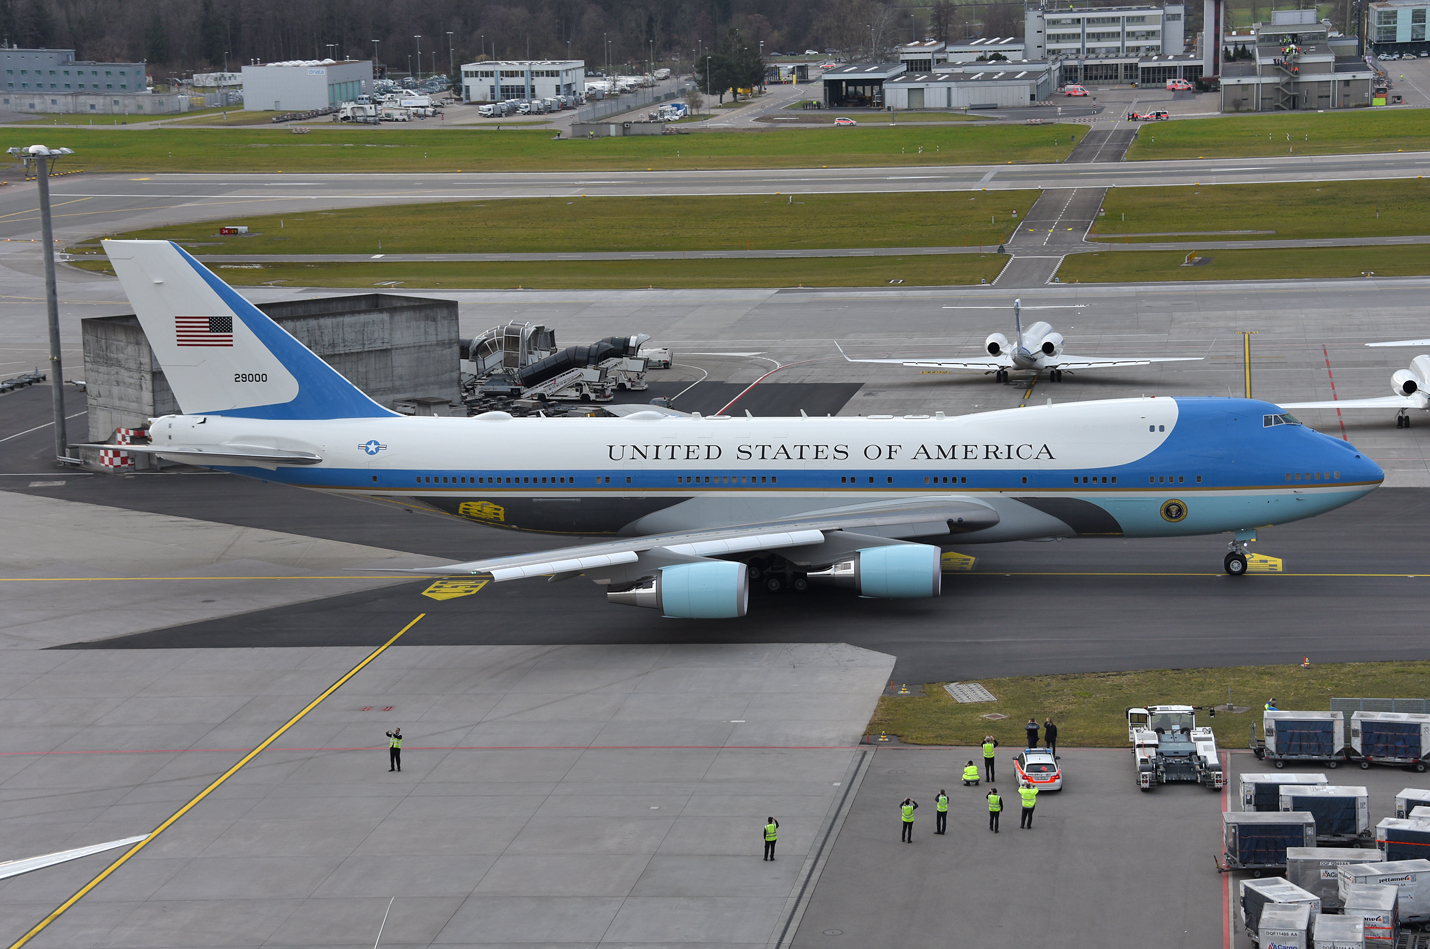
pixel 899 571
pixel 1052 344
pixel 996 344
pixel 1404 382
pixel 1420 365
pixel 713 590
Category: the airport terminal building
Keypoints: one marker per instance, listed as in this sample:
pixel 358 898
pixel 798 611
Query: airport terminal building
pixel 494 81
pixel 52 80
pixel 302 85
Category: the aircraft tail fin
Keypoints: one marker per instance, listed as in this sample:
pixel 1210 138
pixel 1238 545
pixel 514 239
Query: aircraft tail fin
pixel 220 354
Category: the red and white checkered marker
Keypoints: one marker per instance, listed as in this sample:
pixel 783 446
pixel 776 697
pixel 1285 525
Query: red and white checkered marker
pixel 127 436
pixel 115 458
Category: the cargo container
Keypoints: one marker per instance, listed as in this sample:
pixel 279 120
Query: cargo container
pixel 1285 926
pixel 1339 932
pixel 1313 869
pixel 1403 839
pixel 1408 798
pixel 1258 842
pixel 1420 812
pixel 1301 736
pixel 1411 879
pixel 1379 907
pixel 1397 738
pixel 1262 792
pixel 1342 813
pixel 1257 896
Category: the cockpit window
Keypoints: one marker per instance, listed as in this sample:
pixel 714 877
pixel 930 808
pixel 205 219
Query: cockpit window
pixel 1283 419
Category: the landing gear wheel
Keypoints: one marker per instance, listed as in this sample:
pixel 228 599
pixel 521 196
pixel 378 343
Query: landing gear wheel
pixel 1001 375
pixel 774 584
pixel 1235 563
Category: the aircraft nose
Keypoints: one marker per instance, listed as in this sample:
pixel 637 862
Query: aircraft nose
pixel 1363 470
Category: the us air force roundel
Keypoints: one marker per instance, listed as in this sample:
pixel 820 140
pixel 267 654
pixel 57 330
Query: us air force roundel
pixel 1174 510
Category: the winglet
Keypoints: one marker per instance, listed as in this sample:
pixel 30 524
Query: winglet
pixel 842 352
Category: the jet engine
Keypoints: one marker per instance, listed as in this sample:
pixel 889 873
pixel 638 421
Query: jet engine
pixel 996 344
pixel 1040 338
pixel 713 589
pixel 1412 380
pixel 898 571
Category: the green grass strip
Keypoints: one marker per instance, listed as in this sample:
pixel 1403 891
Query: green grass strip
pixel 1295 263
pixel 1302 209
pixel 1090 709
pixel 561 225
pixel 1349 131
pixel 332 148
pixel 932 270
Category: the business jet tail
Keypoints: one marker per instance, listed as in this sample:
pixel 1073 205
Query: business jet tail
pixel 220 354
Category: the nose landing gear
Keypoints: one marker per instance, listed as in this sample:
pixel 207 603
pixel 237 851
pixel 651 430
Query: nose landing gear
pixel 1237 560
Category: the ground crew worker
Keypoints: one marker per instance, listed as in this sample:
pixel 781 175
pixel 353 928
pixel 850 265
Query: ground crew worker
pixel 941 809
pixel 1271 705
pixel 1032 729
pixel 772 833
pixel 970 774
pixel 989 743
pixel 1050 735
pixel 995 808
pixel 1029 794
pixel 907 810
pixel 394 750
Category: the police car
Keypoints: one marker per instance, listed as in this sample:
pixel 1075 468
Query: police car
pixel 1039 768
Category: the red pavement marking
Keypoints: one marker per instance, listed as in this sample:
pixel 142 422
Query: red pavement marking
pixel 1334 397
pixel 181 751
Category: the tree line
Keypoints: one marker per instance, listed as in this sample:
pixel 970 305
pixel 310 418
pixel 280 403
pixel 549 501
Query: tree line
pixel 180 36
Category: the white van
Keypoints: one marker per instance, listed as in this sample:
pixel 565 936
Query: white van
pixel 488 111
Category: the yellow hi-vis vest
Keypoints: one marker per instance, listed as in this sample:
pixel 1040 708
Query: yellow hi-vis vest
pixel 970 773
pixel 988 749
pixel 943 802
pixel 772 831
pixel 396 742
pixel 995 802
pixel 1029 796
pixel 908 810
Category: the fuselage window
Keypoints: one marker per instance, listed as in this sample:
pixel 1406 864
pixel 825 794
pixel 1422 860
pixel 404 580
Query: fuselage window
pixel 773 479
pixel 1337 474
pixel 1151 428
pixel 1161 428
pixel 1180 479
pixel 891 480
pixel 762 479
pixel 1199 479
pixel 1025 480
pixel 843 480
pixel 871 479
pixel 628 479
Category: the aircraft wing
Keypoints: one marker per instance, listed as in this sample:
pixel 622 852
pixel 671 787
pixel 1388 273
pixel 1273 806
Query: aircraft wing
pixel 1416 401
pixel 1402 342
pixel 1067 361
pixel 228 455
pixel 972 362
pixel 923 517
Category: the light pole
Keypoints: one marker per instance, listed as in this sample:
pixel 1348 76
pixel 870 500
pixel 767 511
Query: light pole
pixel 451 69
pixel 42 156
pixel 225 60
pixel 418 40
pixel 376 60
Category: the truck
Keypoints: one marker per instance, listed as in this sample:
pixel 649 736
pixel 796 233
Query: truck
pixel 395 114
pixel 1169 747
pixel 362 112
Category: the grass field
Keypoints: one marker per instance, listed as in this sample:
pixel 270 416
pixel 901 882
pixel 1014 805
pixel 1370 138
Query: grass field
pixel 1292 210
pixel 1278 264
pixel 1090 709
pixel 430 149
pixel 1351 131
pixel 558 225
pixel 939 270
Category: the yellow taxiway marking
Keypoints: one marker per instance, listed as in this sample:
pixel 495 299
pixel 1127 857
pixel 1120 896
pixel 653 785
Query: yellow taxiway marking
pixel 952 562
pixel 42 924
pixel 452 588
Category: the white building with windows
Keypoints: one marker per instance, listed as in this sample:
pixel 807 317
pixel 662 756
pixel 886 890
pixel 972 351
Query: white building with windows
pixel 304 85
pixel 1397 26
pixel 1105 33
pixel 494 81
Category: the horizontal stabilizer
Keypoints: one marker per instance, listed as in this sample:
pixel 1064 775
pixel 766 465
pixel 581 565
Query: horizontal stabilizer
pixel 1416 401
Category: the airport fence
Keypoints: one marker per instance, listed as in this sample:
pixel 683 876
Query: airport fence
pixel 614 105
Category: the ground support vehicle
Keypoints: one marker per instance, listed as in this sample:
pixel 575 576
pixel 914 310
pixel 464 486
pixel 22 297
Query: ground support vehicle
pixel 1168 746
pixel 1301 737
pixel 1313 869
pixel 22 381
pixel 1257 896
pixel 1393 738
pixel 1258 841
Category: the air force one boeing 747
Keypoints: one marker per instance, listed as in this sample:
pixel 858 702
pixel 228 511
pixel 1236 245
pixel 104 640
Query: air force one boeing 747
pixel 697 509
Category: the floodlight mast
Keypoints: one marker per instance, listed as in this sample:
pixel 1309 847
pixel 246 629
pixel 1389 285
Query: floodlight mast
pixel 42 156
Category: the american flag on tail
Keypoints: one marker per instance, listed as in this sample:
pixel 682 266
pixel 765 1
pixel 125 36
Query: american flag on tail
pixel 204 330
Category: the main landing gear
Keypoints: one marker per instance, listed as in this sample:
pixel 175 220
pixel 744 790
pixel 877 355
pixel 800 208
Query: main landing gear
pixel 1402 420
pixel 1001 375
pixel 1055 375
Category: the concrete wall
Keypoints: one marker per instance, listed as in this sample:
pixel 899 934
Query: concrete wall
pixel 612 129
pixel 391 347
pixel 95 104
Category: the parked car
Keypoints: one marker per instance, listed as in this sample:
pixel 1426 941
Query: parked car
pixel 844 120
pixel 1074 91
pixel 811 52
